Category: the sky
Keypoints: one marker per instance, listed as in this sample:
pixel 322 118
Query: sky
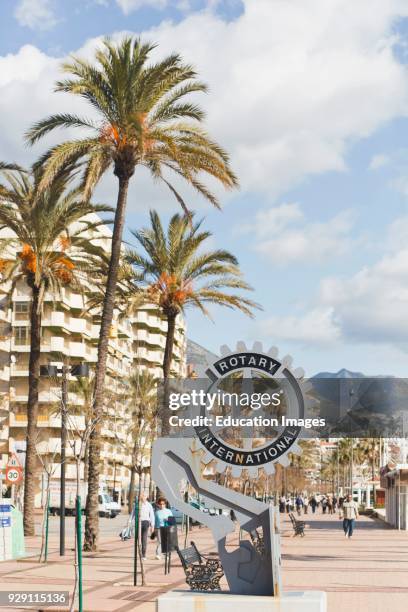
pixel 310 98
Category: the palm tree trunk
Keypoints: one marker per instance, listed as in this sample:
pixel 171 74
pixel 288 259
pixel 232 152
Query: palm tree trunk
pixel 167 359
pixel 32 412
pixel 92 517
pixel 86 461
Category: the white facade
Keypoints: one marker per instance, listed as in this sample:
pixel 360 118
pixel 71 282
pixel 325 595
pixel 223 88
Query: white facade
pixel 69 334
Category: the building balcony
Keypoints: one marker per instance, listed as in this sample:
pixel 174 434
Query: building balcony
pixel 4 432
pixel 79 326
pixel 19 370
pixel 77 349
pixel 74 423
pixel 20 347
pixel 52 446
pixel 148 355
pixel 57 319
pixel 146 336
pixel 56 344
pixel 145 319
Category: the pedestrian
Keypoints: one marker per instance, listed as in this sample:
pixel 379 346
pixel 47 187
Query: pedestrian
pixel 330 504
pixel 161 515
pixel 282 503
pixel 298 504
pixel 334 503
pixel 305 504
pixel 350 514
pixel 324 504
pixel 313 503
pixel 147 522
pixel 288 505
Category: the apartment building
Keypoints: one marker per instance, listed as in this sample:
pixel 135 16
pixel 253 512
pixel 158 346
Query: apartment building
pixel 70 335
pixel 149 339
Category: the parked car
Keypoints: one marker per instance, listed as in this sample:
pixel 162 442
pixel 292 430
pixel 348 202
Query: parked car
pixel 178 515
pixel 115 508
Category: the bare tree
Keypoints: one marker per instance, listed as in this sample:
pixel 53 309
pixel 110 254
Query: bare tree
pixel 49 467
pixel 78 441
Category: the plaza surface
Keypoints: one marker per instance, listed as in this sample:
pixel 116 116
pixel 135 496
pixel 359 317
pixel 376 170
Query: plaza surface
pixel 368 573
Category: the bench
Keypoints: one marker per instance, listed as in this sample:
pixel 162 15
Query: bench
pixel 298 526
pixel 203 573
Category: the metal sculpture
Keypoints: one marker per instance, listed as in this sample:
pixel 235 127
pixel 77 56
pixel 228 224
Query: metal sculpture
pixel 252 568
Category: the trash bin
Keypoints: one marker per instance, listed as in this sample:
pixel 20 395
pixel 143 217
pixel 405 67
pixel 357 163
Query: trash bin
pixel 168 538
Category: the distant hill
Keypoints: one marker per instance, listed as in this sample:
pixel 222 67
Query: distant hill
pixel 197 355
pixel 343 373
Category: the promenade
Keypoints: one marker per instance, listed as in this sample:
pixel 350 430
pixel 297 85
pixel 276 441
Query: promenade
pixel 368 573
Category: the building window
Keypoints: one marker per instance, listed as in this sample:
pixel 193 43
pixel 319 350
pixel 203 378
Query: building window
pixel 20 336
pixel 21 310
pixel 21 306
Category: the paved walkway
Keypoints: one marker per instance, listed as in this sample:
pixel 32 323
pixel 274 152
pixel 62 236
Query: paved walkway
pixel 368 573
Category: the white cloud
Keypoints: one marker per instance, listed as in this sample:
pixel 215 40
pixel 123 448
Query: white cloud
pixel 128 6
pixel 372 305
pixel 36 14
pixel 378 161
pixel 282 234
pixel 292 83
pixel 314 328
pixel 26 94
pixel 369 307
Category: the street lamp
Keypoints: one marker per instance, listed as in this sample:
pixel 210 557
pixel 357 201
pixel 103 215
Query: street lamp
pixel 80 369
pixel 351 393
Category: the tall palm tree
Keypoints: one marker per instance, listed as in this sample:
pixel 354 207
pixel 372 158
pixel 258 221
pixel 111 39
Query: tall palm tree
pixel 180 274
pixel 46 246
pixel 142 119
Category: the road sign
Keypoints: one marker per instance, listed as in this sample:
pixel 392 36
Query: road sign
pixel 14 475
pixel 13 461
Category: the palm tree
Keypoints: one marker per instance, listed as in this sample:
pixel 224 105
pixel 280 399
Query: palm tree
pixel 180 274
pixel 143 119
pixel 369 449
pixel 47 248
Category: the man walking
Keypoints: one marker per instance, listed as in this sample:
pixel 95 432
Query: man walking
pixel 305 504
pixel 147 521
pixel 299 504
pixel 350 514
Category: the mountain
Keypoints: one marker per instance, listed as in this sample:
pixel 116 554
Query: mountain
pixel 343 373
pixel 197 355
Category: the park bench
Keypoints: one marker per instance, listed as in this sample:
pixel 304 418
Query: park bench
pixel 203 573
pixel 298 526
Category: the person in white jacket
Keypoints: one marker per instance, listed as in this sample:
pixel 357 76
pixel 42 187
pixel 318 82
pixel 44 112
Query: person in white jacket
pixel 146 518
pixel 146 521
pixel 349 514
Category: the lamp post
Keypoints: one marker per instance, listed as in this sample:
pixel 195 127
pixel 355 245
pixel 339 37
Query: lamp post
pixel 80 369
pixel 351 393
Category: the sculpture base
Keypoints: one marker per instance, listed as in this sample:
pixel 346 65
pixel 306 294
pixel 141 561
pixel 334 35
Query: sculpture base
pixel 290 601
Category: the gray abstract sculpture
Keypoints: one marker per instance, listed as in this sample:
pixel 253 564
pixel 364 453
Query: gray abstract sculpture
pixel 253 568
